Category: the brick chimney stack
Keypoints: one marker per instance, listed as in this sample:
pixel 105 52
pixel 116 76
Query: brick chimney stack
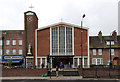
pixel 100 36
pixel 114 34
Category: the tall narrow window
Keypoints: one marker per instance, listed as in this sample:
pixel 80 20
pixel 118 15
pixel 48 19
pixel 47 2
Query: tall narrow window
pixel 20 42
pixel 99 51
pixel 0 51
pixel 112 42
pixel 61 40
pixel 94 61
pixel 7 42
pixel 7 51
pixel 14 51
pixel 94 51
pixel 20 51
pixel 98 62
pixel 68 40
pixel 14 42
pixel 112 51
pixel 55 40
pixel 85 62
pixel 0 42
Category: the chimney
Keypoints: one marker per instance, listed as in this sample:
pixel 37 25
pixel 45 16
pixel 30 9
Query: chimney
pixel 100 36
pixel 114 35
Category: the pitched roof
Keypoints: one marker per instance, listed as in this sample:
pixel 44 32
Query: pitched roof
pixel 95 42
pixel 62 23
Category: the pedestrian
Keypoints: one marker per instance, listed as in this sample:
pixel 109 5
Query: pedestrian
pixel 56 71
pixel 61 65
pixel 42 65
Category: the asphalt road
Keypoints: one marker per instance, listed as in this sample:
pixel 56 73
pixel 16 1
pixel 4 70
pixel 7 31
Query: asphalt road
pixel 61 81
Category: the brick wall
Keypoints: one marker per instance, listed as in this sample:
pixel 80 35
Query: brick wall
pixel 100 72
pixel 13 35
pixel 43 42
pixel 15 72
pixel 29 29
pixel 77 42
pixel 105 55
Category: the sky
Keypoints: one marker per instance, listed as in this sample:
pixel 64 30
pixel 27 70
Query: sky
pixel 100 14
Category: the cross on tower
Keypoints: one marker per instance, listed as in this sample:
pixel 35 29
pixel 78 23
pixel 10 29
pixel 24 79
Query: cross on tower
pixel 31 7
pixel 61 20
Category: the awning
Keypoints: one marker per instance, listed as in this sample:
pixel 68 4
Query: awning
pixel 13 61
pixel 13 57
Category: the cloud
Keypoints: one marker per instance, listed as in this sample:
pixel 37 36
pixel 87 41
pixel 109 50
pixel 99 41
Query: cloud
pixel 100 14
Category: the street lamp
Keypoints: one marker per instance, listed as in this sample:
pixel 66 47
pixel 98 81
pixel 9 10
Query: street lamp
pixel 2 46
pixel 81 38
pixel 110 52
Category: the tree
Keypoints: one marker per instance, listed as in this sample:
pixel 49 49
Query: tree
pixel 9 62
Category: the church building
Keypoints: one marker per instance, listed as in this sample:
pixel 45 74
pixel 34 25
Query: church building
pixel 61 42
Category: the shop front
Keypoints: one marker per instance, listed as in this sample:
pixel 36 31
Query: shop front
pixel 15 60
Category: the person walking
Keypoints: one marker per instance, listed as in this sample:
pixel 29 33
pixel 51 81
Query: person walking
pixel 61 64
pixel 42 65
pixel 56 71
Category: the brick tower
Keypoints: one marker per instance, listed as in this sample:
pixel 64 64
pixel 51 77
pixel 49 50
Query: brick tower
pixel 30 24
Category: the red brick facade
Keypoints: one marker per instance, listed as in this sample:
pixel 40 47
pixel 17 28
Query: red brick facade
pixel 105 55
pixel 77 42
pixel 13 35
pixel 44 46
pixel 100 42
pixel 23 72
pixel 31 24
pixel 43 42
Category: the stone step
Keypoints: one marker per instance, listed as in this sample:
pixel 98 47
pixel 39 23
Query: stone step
pixel 64 73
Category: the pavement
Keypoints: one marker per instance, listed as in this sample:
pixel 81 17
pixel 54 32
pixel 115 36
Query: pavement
pixel 44 78
pixel 55 78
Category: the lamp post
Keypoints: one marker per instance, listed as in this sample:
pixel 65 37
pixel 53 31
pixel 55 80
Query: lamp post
pixel 2 47
pixel 81 38
pixel 110 52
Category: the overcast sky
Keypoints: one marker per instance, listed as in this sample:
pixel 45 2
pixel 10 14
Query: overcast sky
pixel 100 14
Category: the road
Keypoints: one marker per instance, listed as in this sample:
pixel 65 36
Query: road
pixel 61 81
